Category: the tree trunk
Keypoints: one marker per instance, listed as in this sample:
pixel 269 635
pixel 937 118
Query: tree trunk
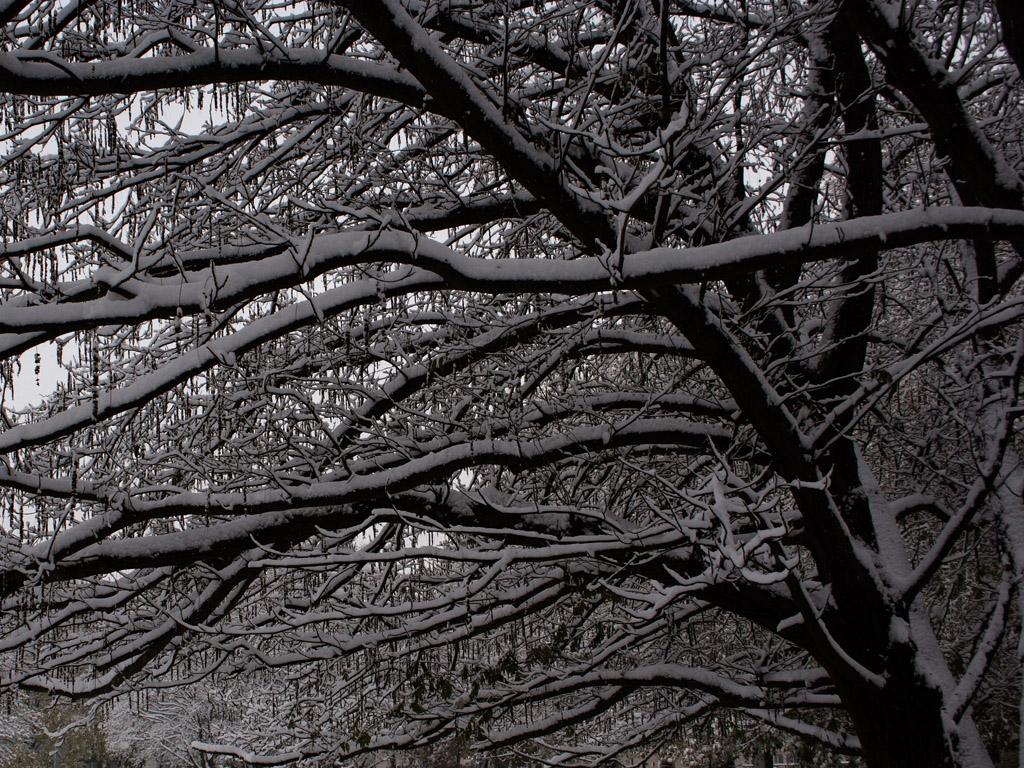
pixel 905 722
pixel 763 757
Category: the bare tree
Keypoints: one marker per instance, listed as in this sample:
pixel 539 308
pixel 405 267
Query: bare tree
pixel 561 374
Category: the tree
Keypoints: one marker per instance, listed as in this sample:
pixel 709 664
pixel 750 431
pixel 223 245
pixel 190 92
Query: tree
pixel 157 728
pixel 564 375
pixel 18 724
pixel 40 732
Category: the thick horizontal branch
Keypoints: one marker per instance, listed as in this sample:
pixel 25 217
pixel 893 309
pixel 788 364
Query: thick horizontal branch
pixel 222 287
pixel 220 351
pixel 269 511
pixel 730 691
pixel 43 73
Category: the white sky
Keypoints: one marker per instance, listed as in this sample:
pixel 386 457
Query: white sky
pixel 30 389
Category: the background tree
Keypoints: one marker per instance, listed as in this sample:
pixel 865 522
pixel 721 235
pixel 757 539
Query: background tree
pixel 40 732
pixel 563 375
pixel 157 727
pixel 18 724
